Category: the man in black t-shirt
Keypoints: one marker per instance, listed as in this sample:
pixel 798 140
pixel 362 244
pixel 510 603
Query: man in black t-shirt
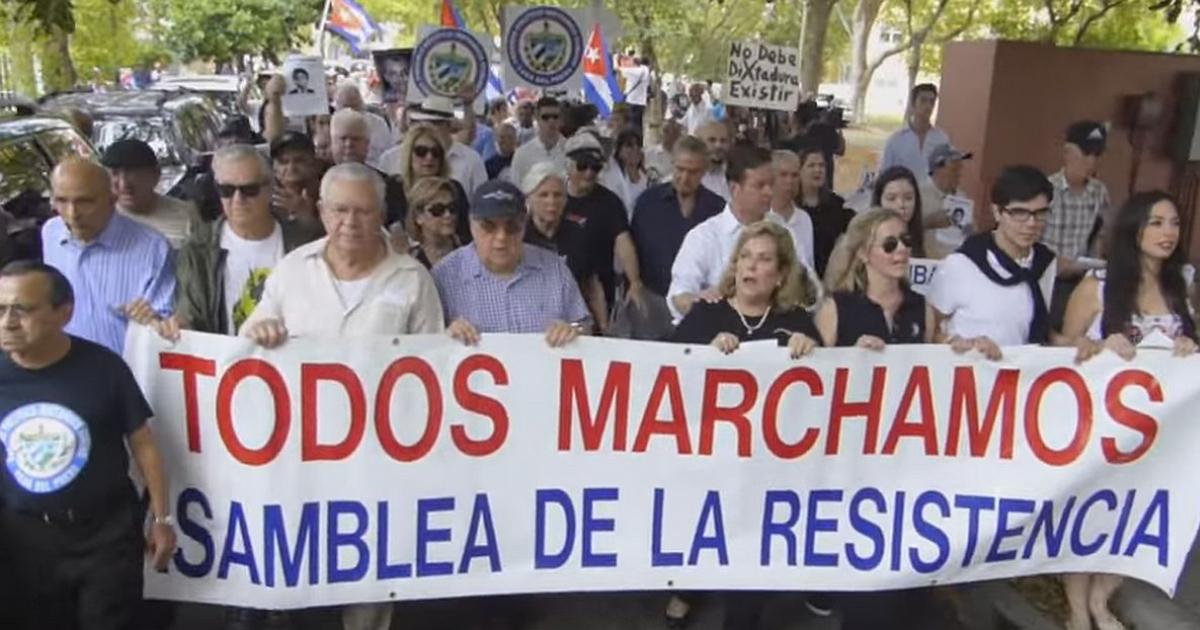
pixel 602 214
pixel 71 544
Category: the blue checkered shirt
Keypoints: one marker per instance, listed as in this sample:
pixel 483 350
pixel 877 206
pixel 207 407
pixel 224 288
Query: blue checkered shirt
pixel 540 290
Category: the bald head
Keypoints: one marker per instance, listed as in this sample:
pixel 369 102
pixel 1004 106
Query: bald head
pixel 82 195
pixel 350 136
pixel 348 97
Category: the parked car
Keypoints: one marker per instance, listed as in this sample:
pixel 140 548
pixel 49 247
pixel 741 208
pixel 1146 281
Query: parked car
pixel 235 95
pixel 180 126
pixel 31 145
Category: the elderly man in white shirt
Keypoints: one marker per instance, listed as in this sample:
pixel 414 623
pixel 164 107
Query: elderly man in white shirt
pixel 349 97
pixel 699 111
pixel 548 146
pixel 786 166
pixel 911 146
pixel 707 247
pixel 350 283
pixel 466 166
pixel 716 136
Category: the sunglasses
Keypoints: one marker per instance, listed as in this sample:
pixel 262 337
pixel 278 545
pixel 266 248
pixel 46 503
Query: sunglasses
pixel 549 117
pixel 226 191
pixel 424 152
pixel 1023 215
pixel 588 164
pixel 892 243
pixel 438 209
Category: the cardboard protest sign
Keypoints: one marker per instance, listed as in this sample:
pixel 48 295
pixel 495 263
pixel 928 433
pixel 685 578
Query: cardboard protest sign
pixel 544 48
pixel 763 76
pixel 444 61
pixel 305 93
pixel 394 67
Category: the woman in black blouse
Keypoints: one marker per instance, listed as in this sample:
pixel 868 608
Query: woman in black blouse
pixel 827 210
pixel 871 304
pixel 764 293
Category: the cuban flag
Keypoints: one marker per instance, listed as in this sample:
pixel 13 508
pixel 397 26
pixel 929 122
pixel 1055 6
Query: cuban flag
pixel 349 20
pixel 601 87
pixel 451 18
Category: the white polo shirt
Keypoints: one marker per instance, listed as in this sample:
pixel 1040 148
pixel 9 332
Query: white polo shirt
pixel 974 306
pixel 801 226
pixel 534 151
pixel 705 254
pixel 398 298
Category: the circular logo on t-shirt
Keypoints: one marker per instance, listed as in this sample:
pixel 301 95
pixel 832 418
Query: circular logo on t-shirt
pixel 47 446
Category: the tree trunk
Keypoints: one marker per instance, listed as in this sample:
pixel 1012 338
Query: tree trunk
pixel 816 23
pixel 58 72
pixel 865 15
pixel 914 63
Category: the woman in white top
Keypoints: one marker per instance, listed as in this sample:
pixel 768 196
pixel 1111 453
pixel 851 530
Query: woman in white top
pixel 626 171
pixel 1140 294
pixel 995 289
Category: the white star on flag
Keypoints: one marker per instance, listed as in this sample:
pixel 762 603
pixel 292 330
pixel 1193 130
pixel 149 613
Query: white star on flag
pixel 593 55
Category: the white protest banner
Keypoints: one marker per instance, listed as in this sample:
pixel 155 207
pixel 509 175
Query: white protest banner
pixel 763 76
pixel 444 61
pixel 372 469
pixel 544 48
pixel 304 94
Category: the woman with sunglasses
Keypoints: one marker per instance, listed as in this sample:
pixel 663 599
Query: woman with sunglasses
pixel 896 190
pixel 826 209
pixel 871 304
pixel 1139 298
pixel 995 289
pixel 625 173
pixel 430 224
pixel 422 155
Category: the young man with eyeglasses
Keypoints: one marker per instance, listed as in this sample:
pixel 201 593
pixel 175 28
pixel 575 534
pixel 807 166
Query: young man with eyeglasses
pixel 995 290
pixel 549 144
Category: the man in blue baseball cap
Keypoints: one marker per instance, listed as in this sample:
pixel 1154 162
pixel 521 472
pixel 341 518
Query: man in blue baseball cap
pixel 496 284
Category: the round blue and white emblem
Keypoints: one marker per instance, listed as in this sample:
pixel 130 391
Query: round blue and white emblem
pixel 446 60
pixel 47 446
pixel 545 46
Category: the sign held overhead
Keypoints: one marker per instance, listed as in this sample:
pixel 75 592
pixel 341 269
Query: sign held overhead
pixel 763 76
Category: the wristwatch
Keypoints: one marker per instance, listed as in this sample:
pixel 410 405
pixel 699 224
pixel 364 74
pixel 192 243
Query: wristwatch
pixel 167 520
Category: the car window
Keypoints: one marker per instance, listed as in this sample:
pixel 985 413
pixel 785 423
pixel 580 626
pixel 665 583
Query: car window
pixel 61 144
pixel 152 131
pixel 24 179
pixel 191 120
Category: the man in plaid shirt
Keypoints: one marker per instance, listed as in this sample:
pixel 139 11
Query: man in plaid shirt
pixel 1081 204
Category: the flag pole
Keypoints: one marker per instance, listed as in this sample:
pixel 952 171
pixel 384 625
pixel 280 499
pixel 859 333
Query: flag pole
pixel 324 22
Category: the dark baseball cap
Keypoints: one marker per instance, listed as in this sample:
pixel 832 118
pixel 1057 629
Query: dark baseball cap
pixel 497 199
pixel 1091 137
pixel 292 141
pixel 129 153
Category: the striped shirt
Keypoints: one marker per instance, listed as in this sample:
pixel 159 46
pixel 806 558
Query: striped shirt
pixel 126 262
pixel 540 291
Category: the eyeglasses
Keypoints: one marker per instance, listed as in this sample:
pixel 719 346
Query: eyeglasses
pixel 248 191
pixel 588 163
pixel 891 243
pixel 424 152
pixel 510 227
pixel 549 117
pixel 438 209
pixel 1023 215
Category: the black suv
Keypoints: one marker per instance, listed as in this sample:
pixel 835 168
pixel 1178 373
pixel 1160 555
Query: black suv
pixel 30 147
pixel 180 126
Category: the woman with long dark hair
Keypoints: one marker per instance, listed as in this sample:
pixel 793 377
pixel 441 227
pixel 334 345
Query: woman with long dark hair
pixel 896 190
pixel 625 173
pixel 829 215
pixel 1139 299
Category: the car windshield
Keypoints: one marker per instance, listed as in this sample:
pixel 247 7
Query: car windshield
pixel 153 131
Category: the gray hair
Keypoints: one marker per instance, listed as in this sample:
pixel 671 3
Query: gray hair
pixel 783 156
pixel 539 174
pixel 355 172
pixel 240 152
pixel 345 117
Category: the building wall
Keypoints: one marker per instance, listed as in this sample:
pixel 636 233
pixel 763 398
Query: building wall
pixel 1010 102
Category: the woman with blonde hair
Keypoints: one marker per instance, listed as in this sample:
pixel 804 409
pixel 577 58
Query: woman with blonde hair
pixel 430 224
pixel 871 303
pixel 764 293
pixel 424 154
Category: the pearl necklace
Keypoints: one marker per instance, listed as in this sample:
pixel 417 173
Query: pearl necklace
pixel 750 329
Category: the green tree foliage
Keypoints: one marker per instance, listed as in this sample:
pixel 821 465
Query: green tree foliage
pixel 223 30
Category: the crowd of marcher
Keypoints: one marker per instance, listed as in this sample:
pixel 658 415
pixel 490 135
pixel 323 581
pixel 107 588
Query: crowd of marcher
pixel 542 222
